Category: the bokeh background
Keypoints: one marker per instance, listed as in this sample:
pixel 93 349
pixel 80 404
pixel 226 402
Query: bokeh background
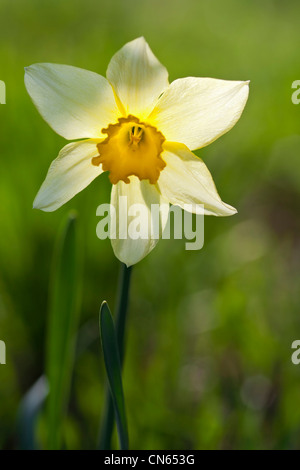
pixel 208 356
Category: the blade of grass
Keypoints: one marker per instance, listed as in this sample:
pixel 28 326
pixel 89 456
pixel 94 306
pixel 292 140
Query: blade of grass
pixel 63 321
pixel 113 370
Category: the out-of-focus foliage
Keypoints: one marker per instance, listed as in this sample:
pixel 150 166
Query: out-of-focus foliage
pixel 209 336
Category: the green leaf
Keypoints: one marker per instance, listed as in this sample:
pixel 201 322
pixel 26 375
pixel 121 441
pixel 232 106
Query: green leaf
pixel 113 370
pixel 28 412
pixel 64 304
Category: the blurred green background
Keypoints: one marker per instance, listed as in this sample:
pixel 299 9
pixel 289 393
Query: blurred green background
pixel 208 359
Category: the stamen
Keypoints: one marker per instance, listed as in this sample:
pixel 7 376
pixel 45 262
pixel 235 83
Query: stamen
pixel 135 136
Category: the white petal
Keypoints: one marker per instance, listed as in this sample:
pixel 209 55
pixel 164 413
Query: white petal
pixel 137 77
pixel 187 180
pixel 196 111
pixel 76 103
pixel 68 174
pixel 129 250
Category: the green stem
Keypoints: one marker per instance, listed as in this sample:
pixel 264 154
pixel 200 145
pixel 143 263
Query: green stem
pixel 107 425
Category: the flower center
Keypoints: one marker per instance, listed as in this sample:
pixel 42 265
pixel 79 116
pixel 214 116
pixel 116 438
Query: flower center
pixel 131 148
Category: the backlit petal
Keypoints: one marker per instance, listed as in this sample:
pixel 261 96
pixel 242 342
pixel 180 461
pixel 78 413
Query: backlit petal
pixel 137 77
pixel 68 174
pixel 129 250
pixel 187 180
pixel 196 111
pixel 76 103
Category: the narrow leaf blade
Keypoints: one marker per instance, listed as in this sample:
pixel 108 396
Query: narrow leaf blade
pixel 63 322
pixel 113 370
pixel 28 412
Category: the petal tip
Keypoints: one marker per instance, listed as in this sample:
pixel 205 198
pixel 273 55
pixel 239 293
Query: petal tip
pixel 231 210
pixel 36 205
pixel 28 69
pixel 140 38
pixel 129 264
pixel 26 72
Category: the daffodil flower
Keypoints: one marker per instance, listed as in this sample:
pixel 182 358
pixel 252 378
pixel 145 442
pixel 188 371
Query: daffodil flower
pixel 139 128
